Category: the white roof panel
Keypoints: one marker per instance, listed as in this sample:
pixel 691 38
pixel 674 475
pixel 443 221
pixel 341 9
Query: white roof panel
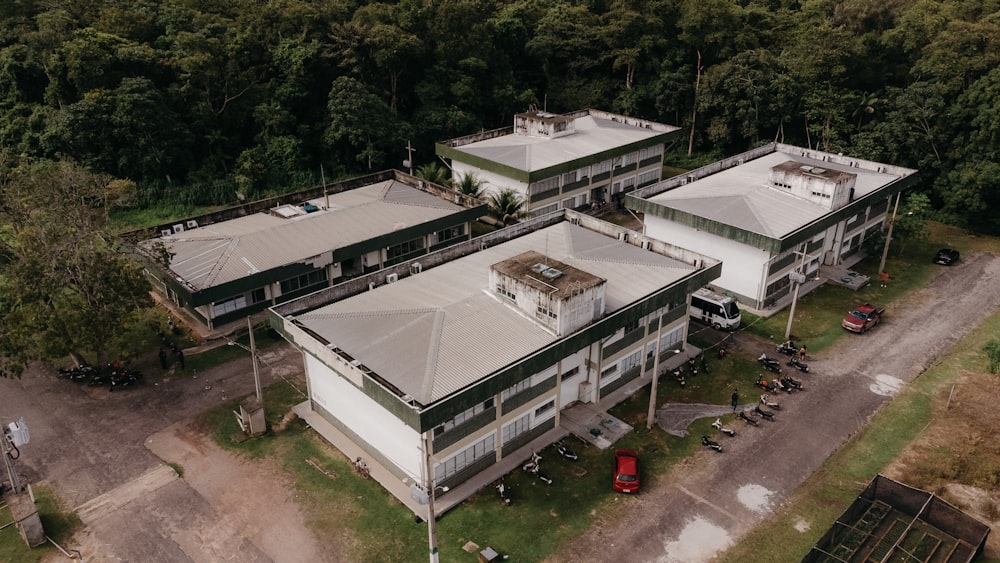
pixel 436 332
pixel 741 196
pixel 223 252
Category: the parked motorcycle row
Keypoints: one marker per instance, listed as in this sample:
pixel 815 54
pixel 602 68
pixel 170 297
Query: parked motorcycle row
pixel 534 468
pixel 766 406
pixel 115 375
pixel 681 374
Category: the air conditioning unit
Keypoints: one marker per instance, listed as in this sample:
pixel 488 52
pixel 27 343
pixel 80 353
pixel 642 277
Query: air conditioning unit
pixel 392 278
pixel 416 268
pixel 647 245
pixel 192 224
pixel 166 233
pixel 179 228
pixel 371 286
pixel 623 236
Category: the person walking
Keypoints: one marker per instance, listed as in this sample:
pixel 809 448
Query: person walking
pixel 180 357
pixel 885 279
pixel 163 358
pixel 736 398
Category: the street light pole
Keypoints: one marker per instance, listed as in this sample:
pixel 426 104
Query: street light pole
pixel 256 370
pixel 651 414
pixel 798 280
pixel 431 518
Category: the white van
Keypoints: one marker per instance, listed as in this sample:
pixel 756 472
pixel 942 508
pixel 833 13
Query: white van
pixel 720 311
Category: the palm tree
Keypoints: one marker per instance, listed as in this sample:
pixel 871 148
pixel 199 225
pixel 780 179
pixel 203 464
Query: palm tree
pixel 506 206
pixel 469 185
pixel 433 173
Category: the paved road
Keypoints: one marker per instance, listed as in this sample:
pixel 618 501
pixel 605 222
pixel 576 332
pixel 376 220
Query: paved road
pixel 717 498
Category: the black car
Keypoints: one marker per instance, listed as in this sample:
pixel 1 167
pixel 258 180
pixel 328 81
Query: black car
pixel 946 257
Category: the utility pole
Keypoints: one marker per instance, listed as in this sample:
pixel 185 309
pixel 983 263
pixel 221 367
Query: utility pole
pixel 798 278
pixel 888 236
pixel 431 518
pixel 408 163
pixel 256 369
pixel 651 413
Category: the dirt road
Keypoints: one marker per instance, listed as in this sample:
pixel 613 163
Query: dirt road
pixel 105 456
pixel 710 501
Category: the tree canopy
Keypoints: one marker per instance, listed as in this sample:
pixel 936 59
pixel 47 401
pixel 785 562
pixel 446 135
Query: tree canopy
pixel 180 96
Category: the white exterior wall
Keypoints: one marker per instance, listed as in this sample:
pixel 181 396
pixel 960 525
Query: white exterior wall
pixel 366 418
pixel 743 266
pixel 569 390
pixel 492 183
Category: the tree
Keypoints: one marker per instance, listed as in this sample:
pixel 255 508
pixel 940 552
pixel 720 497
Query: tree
pixel 911 224
pixel 66 287
pixel 360 124
pixel 470 185
pixel 433 173
pixel 506 206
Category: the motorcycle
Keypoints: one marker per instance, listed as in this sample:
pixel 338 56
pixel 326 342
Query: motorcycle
pixel 795 363
pixel 704 363
pixel 771 405
pixel 748 419
pixel 714 445
pixel 502 489
pixel 791 383
pixel 787 348
pixel 676 372
pixel 123 378
pixel 769 386
pixel 692 367
pixel 764 413
pixel 532 466
pixel 722 352
pixel 566 452
pixel 769 363
pixel 718 426
pixel 80 373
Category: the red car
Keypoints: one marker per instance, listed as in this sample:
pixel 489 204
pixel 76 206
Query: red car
pixel 626 471
pixel 863 318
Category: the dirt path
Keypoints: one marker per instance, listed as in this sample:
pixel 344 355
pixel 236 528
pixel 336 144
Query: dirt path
pixel 710 501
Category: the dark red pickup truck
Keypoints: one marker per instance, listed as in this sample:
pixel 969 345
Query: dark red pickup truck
pixel 863 318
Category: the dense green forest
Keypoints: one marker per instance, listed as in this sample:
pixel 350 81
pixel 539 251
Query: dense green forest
pixel 196 100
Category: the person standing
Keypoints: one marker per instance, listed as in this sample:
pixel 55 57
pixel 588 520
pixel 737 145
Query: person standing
pixel 180 357
pixel 802 353
pixel 163 358
pixel 885 279
pixel 736 398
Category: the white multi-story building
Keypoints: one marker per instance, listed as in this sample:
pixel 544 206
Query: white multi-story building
pixel 771 212
pixel 563 161
pixel 474 351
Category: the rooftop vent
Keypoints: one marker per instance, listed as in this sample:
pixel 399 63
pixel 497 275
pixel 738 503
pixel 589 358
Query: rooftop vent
pixel 546 271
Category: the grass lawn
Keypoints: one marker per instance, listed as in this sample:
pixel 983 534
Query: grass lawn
pixel 57 523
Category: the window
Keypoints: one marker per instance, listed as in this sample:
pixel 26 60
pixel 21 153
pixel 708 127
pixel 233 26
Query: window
pixel 543 210
pixel 651 152
pixel 544 409
pixel 569 177
pixel 507 293
pixel 631 326
pixel 571 372
pixel 650 176
pixel 601 167
pixel 544 185
pixel 314 277
pixel 515 429
pixel 238 302
pixel 405 248
pixel 452 233
pixel 545 311
pixel 463 417
pixel 514 390
pixel 630 158
pixel 465 458
pixel 630 361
